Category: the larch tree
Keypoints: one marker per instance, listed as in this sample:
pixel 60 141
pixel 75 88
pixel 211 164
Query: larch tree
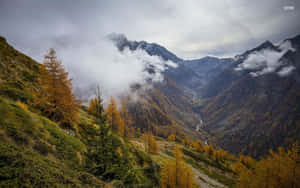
pixel 172 176
pixel 279 169
pixel 96 108
pixel 127 120
pixel 151 145
pixel 171 138
pixel 209 150
pixel 168 175
pixel 113 117
pixel 60 104
pixel 198 145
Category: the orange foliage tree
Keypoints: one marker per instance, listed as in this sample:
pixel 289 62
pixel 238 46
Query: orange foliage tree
pixel 171 138
pixel 129 131
pixel 151 145
pixel 56 98
pixel 172 173
pixel 280 169
pixel 198 145
pixel 114 118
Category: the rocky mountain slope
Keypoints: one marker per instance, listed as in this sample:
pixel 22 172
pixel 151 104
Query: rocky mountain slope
pixel 175 95
pixel 253 110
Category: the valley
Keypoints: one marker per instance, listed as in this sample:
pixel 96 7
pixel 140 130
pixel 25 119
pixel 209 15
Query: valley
pixel 210 122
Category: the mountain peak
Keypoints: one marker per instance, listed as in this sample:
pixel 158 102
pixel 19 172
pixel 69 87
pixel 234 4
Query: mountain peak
pixel 264 45
pixel 152 49
pixel 209 58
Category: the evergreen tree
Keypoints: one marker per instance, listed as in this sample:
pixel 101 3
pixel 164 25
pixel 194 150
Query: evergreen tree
pixel 108 161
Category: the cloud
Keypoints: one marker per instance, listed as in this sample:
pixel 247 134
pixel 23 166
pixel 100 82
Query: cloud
pixel 190 28
pixel 288 8
pixel 285 71
pixel 101 63
pixel 267 61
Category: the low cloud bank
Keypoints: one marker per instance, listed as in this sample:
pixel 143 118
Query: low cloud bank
pixel 268 61
pixel 101 63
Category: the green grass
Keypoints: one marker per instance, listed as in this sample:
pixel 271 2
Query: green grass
pixel 36 152
pixel 29 169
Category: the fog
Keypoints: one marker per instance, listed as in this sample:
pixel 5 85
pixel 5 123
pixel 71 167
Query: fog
pixel 101 63
pixel 268 61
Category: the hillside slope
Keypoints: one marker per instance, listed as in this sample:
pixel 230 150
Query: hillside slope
pixel 36 152
pixel 166 105
pixel 252 114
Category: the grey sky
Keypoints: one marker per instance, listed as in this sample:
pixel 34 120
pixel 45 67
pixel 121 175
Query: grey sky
pixel 189 28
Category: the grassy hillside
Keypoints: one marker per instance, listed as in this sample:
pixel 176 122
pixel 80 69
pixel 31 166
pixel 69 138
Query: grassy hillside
pixel 36 152
pixel 18 73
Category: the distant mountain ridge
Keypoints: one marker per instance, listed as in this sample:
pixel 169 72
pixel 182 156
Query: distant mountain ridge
pixel 189 73
pixel 241 112
pixel 252 114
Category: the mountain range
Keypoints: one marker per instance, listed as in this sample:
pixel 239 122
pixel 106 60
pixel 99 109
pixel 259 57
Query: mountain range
pixel 246 104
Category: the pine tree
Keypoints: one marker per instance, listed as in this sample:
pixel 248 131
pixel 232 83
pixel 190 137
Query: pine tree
pixel 57 100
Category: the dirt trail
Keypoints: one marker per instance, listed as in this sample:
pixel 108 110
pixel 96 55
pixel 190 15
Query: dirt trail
pixel 202 179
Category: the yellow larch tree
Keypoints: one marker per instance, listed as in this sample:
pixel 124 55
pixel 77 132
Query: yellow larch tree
pixel 151 145
pixel 279 169
pixel 198 145
pixel 172 176
pixel 127 120
pixel 114 118
pixel 56 97
pixel 171 138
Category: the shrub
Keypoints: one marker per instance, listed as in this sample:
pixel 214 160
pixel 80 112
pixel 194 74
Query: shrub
pixel 21 105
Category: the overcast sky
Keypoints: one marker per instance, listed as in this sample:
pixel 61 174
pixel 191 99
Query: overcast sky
pixel 189 28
